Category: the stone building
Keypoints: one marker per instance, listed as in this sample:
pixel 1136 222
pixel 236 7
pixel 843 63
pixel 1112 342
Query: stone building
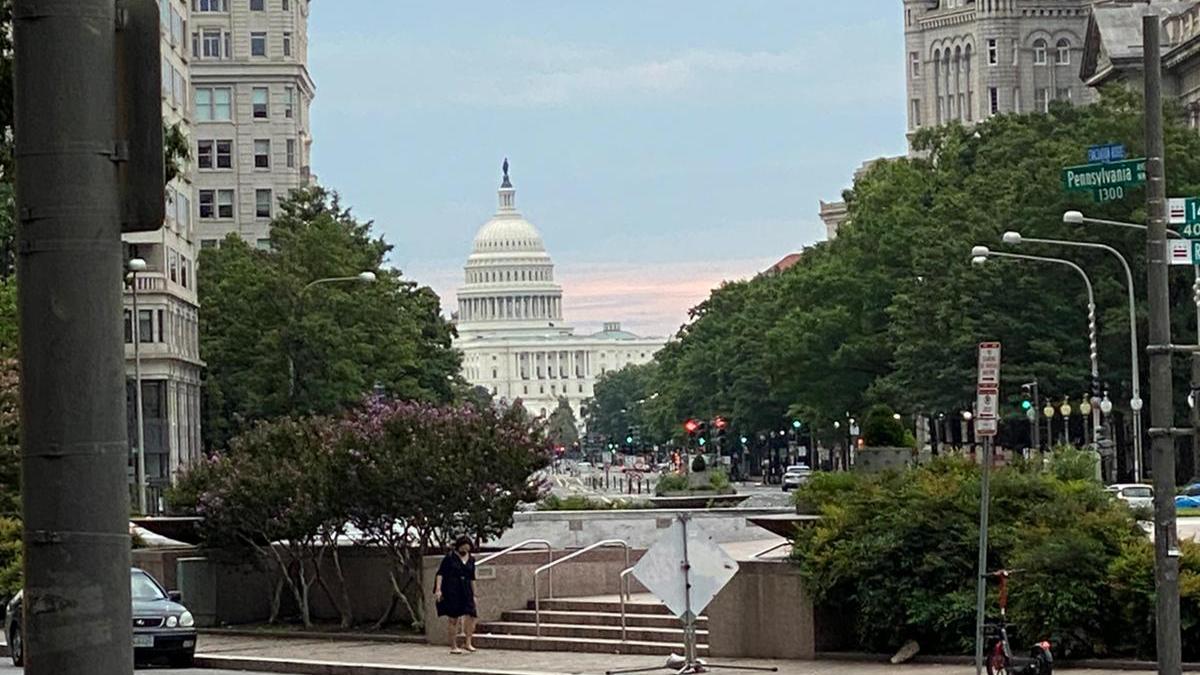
pixel 251 95
pixel 511 329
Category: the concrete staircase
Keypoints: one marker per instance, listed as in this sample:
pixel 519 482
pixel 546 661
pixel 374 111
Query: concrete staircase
pixel 593 625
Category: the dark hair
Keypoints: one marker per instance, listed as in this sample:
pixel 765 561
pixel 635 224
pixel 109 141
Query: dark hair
pixel 461 540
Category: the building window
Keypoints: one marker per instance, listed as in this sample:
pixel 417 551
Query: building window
pixel 207 202
pixel 993 52
pixel 287 44
pixel 914 64
pixel 993 100
pixel 210 5
pixel 1062 55
pixel 1041 100
pixel 916 112
pixel 184 265
pixel 213 104
pixel 1016 53
pixel 262 153
pixel 208 243
pixel 291 153
pixel 289 105
pixel 262 203
pixel 145 326
pixel 257 5
pixel 1062 94
pixel 128 327
pixel 259 102
pixel 177 29
pixel 210 44
pixel 1017 100
pixel 204 154
pixel 225 154
pixel 1039 52
pixel 224 203
pixel 173 265
pixel 286 5
pixel 258 43
pixel 262 244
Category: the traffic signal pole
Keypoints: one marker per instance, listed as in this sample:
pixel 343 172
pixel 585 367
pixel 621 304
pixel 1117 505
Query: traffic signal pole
pixel 1166 546
pixel 74 446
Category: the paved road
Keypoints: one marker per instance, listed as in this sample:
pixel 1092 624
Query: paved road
pixel 7 669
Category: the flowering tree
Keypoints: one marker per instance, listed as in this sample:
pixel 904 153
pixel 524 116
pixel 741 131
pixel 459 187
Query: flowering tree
pixel 279 491
pixel 430 473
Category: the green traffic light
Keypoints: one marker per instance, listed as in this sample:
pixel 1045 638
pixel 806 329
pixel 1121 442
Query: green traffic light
pixel 1026 405
pixel 629 440
pixel 702 441
pixel 743 440
pixel 795 424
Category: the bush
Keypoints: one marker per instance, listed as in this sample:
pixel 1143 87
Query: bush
pixel 881 429
pixel 671 482
pixel 10 558
pixel 698 464
pixel 1131 583
pixel 1071 463
pixel 582 503
pixel 718 480
pixel 898 552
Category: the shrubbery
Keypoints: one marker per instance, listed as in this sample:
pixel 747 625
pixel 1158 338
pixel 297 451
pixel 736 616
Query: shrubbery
pixel 582 503
pixel 898 552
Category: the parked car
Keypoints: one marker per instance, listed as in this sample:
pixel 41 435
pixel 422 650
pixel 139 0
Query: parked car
pixel 1135 495
pixel 1192 490
pixel 795 476
pixel 162 627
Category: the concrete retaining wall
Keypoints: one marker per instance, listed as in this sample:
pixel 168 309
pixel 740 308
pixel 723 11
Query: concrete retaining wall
pixel 639 527
pixel 763 612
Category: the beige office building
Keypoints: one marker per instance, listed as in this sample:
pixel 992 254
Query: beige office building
pixel 251 91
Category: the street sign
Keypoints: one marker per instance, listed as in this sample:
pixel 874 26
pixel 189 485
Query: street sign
pixel 1183 251
pixel 1185 211
pixel 987 402
pixel 661 570
pixel 1106 180
pixel 989 364
pixel 1107 152
pixel 987 389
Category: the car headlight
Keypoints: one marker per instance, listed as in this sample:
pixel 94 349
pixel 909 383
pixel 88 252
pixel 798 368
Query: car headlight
pixel 186 620
pixel 172 621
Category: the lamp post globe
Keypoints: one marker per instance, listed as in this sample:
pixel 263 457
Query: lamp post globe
pixel 136 265
pixel 1073 218
pixel 1106 405
pixel 980 252
pixel 1011 237
pixel 367 277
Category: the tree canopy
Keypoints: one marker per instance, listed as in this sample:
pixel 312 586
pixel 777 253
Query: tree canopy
pixel 891 310
pixel 277 345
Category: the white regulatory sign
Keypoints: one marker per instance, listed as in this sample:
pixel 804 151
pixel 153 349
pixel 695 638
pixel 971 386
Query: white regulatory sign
pixel 985 427
pixel 989 364
pixel 987 403
pixel 1181 251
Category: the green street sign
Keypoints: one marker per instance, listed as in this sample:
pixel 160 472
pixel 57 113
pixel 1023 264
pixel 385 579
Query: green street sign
pixel 1185 212
pixel 1106 181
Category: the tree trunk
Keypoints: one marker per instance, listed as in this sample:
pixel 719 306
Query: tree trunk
pixel 346 609
pixel 276 601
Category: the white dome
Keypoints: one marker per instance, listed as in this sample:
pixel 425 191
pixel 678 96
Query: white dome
pixel 508 232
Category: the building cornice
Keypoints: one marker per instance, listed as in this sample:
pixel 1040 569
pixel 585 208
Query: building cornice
pixel 221 72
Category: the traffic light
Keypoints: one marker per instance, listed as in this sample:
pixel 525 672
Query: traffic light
pixel 796 425
pixel 720 423
pixel 691 426
pixel 1026 397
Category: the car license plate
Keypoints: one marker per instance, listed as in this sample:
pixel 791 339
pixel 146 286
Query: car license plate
pixel 143 640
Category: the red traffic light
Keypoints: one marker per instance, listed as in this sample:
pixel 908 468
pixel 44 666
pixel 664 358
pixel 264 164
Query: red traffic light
pixel 720 422
pixel 691 426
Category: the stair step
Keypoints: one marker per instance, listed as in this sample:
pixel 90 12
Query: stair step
pixel 606 606
pixel 564 644
pixel 668 635
pixel 601 618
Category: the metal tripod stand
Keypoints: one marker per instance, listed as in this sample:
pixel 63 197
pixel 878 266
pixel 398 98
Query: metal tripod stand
pixel 689 663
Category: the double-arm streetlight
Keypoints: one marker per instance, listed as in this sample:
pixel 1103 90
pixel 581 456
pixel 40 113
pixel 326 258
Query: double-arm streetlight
pixel 364 277
pixel 1135 402
pixel 980 254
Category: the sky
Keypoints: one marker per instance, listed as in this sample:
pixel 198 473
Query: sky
pixel 660 147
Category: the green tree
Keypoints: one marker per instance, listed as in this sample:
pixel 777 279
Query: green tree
pixel 881 429
pixel 562 428
pixel 620 401
pixel 277 346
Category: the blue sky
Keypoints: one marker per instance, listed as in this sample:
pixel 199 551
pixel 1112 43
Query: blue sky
pixel 659 146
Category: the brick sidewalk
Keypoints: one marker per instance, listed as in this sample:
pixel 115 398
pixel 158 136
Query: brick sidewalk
pixel 557 663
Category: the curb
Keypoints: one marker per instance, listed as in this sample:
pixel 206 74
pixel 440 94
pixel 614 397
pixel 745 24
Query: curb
pixel 315 635
pixel 959 660
pixel 308 667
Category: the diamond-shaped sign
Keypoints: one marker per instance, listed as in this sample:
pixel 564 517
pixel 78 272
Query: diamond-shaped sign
pixel 661 569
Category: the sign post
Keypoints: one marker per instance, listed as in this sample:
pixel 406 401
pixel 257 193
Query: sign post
pixel 987 395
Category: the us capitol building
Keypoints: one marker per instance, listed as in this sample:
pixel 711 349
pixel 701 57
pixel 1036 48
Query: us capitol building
pixel 511 331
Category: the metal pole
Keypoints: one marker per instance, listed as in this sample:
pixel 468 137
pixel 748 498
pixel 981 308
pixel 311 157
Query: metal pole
pixel 689 619
pixel 1166 553
pixel 137 401
pixel 981 583
pixel 1196 383
pixel 1034 428
pixel 74 442
pixel 1094 353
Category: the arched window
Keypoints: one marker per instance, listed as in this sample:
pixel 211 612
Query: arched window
pixel 1062 54
pixel 1039 52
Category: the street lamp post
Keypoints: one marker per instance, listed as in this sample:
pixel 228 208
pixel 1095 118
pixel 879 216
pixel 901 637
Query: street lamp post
pixel 1135 402
pixel 980 254
pixel 364 277
pixel 1077 218
pixel 135 265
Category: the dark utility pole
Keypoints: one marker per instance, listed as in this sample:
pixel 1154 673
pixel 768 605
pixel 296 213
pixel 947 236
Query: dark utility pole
pixel 69 266
pixel 1166 546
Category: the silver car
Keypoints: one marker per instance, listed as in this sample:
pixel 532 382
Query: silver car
pixel 1135 495
pixel 795 476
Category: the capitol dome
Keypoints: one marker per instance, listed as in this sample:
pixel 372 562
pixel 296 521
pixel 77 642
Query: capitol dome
pixel 508 232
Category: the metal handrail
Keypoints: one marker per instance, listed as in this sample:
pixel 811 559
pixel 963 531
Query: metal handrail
pixel 516 547
pixel 537 597
pixel 776 547
pixel 624 581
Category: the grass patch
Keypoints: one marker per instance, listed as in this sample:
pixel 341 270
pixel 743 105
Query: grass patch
pixel 1189 513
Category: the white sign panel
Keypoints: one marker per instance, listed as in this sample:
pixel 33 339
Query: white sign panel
pixel 1179 251
pixel 1177 211
pixel 989 364
pixel 987 403
pixel 661 569
pixel 985 427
